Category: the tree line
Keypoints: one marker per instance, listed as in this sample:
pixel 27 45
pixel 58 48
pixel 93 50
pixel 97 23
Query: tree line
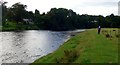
pixel 55 19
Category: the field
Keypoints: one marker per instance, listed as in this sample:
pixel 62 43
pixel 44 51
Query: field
pixel 87 47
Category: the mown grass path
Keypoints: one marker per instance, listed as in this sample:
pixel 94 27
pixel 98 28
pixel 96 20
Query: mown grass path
pixel 91 47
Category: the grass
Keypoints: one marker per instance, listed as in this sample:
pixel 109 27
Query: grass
pixel 87 47
pixel 13 26
pixel 9 26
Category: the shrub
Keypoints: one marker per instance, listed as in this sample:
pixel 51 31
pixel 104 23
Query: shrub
pixel 107 35
pixel 118 35
pixel 114 30
pixel 69 56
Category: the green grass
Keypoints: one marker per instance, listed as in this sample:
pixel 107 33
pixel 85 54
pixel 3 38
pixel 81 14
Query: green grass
pixel 91 47
pixel 13 26
pixel 9 26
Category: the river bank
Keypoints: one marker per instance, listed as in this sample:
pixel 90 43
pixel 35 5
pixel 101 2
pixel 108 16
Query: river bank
pixel 87 47
pixel 29 45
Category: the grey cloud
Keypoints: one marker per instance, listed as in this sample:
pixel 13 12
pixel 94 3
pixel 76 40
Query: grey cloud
pixel 96 4
pixel 106 4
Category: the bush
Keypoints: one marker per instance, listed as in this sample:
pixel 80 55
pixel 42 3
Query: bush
pixel 107 35
pixel 114 30
pixel 69 56
pixel 118 35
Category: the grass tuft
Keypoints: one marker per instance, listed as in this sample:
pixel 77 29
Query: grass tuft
pixel 107 35
pixel 69 56
pixel 118 35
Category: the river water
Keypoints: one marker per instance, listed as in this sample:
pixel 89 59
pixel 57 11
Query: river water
pixel 27 46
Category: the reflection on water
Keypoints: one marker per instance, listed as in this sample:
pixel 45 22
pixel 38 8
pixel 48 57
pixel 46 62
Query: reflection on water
pixel 27 46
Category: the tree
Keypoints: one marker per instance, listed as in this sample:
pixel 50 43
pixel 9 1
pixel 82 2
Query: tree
pixel 101 21
pixel 39 19
pixel 37 12
pixel 29 15
pixel 57 19
pixel 17 12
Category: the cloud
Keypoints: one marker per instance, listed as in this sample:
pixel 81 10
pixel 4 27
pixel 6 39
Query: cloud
pixel 105 4
pixel 95 7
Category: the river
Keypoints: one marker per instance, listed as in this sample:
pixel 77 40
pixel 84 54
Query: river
pixel 27 46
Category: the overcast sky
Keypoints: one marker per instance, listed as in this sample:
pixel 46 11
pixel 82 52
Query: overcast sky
pixel 91 7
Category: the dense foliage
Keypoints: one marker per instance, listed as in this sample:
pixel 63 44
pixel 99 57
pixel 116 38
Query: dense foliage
pixel 55 19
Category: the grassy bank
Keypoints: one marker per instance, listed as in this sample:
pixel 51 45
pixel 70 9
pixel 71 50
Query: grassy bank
pixel 87 47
